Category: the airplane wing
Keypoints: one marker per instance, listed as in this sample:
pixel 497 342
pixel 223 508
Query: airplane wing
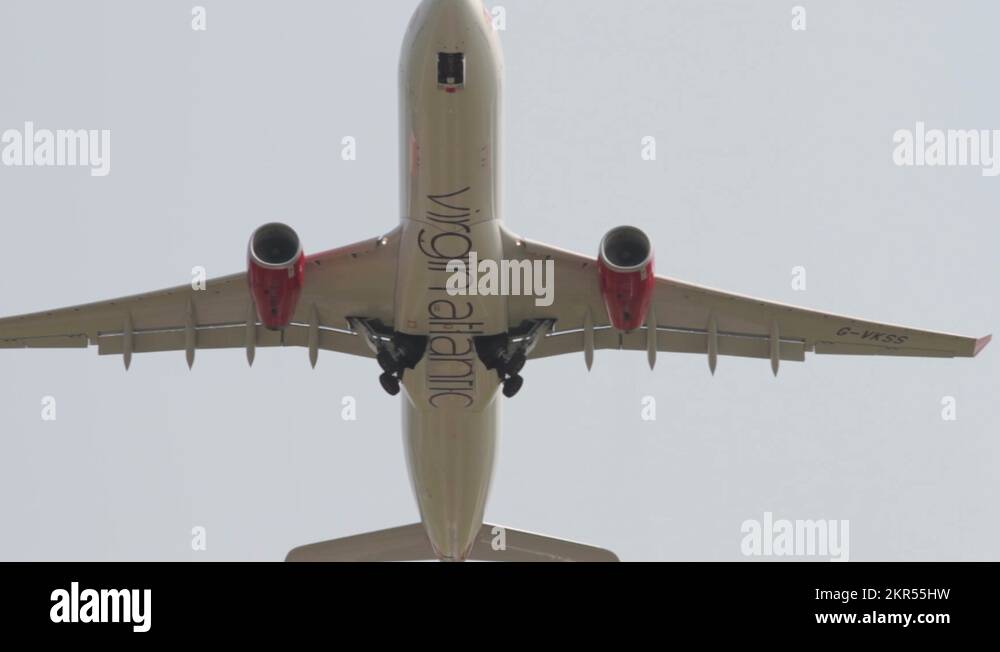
pixel 687 318
pixel 354 281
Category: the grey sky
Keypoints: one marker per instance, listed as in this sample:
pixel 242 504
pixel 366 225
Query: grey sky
pixel 774 151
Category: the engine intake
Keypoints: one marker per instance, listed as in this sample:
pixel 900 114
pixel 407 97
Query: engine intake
pixel 626 267
pixel 276 268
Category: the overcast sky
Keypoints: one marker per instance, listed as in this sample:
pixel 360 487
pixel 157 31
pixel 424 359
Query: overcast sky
pixel 774 151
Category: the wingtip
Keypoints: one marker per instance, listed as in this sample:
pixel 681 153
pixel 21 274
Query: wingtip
pixel 981 344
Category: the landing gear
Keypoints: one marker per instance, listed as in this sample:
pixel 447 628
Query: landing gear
pixel 507 353
pixel 512 386
pixel 385 361
pixel 389 383
pixel 516 363
pixel 395 352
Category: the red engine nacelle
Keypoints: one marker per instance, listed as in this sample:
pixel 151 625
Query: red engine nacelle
pixel 276 268
pixel 626 265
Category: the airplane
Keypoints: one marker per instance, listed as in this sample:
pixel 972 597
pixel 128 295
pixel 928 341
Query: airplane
pixel 457 359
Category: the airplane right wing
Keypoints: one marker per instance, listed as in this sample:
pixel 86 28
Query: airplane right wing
pixel 688 318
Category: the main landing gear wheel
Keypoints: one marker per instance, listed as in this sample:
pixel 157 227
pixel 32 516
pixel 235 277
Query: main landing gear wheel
pixel 389 383
pixel 512 386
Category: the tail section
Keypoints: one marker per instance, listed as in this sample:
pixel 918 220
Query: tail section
pixel 497 543
pixel 410 543
pixel 407 543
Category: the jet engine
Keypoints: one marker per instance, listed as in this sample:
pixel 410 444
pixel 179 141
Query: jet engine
pixel 625 265
pixel 276 268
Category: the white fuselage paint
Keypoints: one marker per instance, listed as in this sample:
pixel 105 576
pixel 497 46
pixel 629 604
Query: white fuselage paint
pixel 450 206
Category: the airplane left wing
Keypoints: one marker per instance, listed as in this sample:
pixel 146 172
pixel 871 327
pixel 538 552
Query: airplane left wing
pixel 688 318
pixel 357 281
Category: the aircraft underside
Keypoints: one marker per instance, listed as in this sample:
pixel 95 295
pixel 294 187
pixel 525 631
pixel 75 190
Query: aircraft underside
pixel 455 358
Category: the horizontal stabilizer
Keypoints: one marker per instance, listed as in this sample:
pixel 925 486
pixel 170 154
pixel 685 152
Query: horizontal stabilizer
pixel 410 543
pixel 497 543
pixel 407 543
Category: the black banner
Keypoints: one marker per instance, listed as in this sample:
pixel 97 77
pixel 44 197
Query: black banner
pixel 243 599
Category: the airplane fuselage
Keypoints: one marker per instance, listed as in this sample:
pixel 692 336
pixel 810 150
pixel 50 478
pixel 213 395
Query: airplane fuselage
pixel 450 102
